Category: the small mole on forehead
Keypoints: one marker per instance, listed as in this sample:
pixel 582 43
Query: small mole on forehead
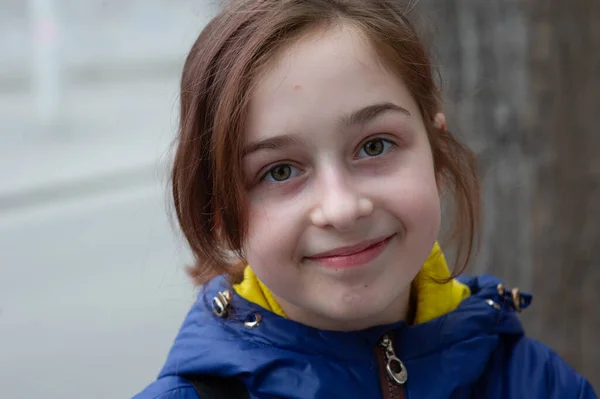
pixel 297 87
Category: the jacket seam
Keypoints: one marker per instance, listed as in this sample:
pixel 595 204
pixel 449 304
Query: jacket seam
pixel 282 350
pixel 318 356
pixel 264 345
pixel 173 390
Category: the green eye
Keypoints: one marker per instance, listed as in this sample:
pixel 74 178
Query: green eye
pixel 279 173
pixel 374 147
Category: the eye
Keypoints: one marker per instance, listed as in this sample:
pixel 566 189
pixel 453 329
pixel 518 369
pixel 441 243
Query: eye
pixel 374 147
pixel 280 173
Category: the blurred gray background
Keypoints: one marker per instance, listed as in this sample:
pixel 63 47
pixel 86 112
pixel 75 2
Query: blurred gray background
pixel 92 288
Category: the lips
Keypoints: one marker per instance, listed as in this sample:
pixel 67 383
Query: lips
pixel 349 250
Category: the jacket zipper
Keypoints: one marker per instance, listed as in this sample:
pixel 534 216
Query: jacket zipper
pixel 392 372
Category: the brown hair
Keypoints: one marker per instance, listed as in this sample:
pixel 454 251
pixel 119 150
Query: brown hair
pixel 218 75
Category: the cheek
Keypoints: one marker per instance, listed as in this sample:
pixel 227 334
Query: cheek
pixel 417 200
pixel 271 235
pixel 271 247
pixel 427 210
pixel 260 228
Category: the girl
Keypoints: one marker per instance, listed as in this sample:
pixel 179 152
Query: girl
pixel 313 149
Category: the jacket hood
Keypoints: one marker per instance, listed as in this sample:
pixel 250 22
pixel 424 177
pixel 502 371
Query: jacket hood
pixel 454 348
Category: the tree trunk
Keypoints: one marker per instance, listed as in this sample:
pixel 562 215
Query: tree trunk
pixel 522 85
pixel 564 136
pixel 483 53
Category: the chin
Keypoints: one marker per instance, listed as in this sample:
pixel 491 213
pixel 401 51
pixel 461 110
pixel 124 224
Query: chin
pixel 358 313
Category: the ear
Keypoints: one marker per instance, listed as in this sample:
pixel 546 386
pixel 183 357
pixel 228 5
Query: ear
pixel 439 121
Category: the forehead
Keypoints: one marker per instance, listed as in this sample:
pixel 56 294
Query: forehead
pixel 322 76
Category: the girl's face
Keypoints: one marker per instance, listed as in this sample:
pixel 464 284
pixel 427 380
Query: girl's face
pixel 343 200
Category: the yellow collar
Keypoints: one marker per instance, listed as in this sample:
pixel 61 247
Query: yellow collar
pixel 432 298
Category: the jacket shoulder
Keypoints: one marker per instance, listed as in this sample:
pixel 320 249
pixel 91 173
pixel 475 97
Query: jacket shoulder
pixel 524 367
pixel 168 387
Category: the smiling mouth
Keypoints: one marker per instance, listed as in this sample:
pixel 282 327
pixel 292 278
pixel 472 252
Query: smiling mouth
pixel 354 255
pixel 350 249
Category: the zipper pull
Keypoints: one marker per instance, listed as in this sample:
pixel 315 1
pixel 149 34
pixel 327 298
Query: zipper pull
pixel 395 368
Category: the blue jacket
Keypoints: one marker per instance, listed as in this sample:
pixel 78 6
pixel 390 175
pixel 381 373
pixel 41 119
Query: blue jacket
pixel 476 351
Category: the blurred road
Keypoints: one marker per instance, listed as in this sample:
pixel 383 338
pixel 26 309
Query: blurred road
pixel 91 296
pixel 91 283
pixel 92 289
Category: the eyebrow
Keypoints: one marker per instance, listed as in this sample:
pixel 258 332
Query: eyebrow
pixel 273 143
pixel 370 112
pixel 359 117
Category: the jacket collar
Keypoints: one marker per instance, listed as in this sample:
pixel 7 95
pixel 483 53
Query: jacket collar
pixel 209 344
pixel 465 336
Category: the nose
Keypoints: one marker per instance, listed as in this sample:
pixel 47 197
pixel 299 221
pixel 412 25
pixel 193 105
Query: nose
pixel 340 204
